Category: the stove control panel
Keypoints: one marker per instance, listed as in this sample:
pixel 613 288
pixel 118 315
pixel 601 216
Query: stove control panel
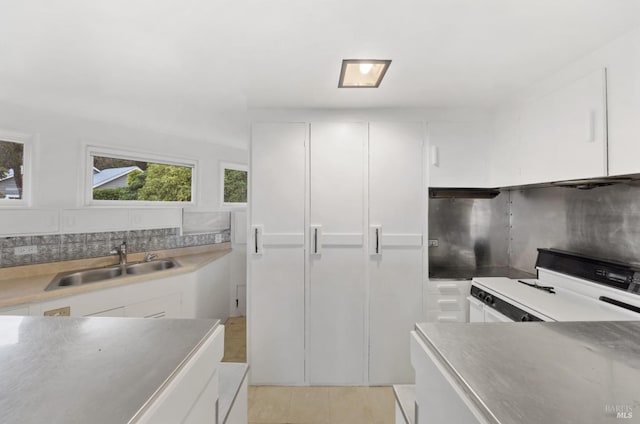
pixel 502 306
pixel 618 275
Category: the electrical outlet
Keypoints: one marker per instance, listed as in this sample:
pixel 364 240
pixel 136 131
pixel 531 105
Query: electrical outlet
pixel 433 243
pixel 60 312
pixel 25 250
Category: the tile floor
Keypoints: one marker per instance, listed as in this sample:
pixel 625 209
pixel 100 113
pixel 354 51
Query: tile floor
pixel 307 405
pixel 321 405
pixel 235 340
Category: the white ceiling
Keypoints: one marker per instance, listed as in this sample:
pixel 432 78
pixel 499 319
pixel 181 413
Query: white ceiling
pixel 194 66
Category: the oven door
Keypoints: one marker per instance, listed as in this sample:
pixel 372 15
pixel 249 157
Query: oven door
pixel 491 315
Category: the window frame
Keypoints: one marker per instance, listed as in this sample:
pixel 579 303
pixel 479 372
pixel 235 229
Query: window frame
pixel 27 177
pixel 236 167
pixel 92 150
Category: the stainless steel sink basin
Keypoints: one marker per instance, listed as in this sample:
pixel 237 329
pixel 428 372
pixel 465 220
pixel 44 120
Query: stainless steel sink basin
pixel 94 275
pixel 89 276
pixel 152 266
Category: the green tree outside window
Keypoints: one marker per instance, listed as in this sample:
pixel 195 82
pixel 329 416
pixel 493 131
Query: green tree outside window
pixel 235 186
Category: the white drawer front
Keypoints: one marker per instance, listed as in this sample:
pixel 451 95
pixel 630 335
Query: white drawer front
pixel 451 316
pixel 450 288
pixel 446 303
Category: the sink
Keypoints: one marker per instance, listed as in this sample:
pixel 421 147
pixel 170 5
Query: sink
pixel 152 266
pixel 94 275
pixel 87 276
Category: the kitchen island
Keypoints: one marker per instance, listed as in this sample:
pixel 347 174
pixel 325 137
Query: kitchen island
pixel 108 370
pixel 532 373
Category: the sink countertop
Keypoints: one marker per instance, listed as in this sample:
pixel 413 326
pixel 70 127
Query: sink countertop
pixel 90 370
pixel 26 284
pixel 539 373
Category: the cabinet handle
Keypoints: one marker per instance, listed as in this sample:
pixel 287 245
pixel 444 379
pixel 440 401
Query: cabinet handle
pixel 435 160
pixel 377 241
pixel 315 240
pixel 255 238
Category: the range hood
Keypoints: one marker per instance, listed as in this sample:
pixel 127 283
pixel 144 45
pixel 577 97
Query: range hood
pixel 462 193
pixel 591 183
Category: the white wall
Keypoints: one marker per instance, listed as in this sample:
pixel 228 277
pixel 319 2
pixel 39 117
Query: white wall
pixel 60 147
pixel 238 263
pixel 395 114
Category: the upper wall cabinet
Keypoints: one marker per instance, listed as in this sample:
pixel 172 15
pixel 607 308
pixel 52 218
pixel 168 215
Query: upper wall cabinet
pixel 563 134
pixel 623 93
pixel 459 154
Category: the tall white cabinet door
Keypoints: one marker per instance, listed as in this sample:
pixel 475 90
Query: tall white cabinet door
pixel 275 248
pixel 396 218
pixel 337 290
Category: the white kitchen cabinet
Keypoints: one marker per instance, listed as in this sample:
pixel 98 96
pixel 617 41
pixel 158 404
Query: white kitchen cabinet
pixel 563 134
pixel 459 154
pixel 446 300
pixel 239 410
pixel 397 219
pixel 11 310
pixel 88 304
pixel 507 157
pixel 439 398
pixel 115 312
pixel 161 307
pixel 336 313
pixel 170 296
pixel 191 395
pixel 213 286
pixel 623 104
pixel 354 198
pixel 276 249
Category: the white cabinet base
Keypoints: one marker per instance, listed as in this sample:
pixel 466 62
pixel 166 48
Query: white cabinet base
pixel 191 395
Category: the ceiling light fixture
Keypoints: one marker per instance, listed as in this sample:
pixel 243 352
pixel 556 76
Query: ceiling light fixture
pixel 362 73
pixel 365 68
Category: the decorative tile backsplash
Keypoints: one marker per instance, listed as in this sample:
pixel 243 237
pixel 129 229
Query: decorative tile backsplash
pixel 65 247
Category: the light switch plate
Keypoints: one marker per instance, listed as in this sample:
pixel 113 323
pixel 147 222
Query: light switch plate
pixel 25 250
pixel 433 243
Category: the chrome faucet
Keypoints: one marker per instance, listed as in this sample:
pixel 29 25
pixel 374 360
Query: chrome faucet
pixel 149 257
pixel 121 251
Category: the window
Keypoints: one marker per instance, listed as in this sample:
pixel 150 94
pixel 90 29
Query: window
pixel 14 181
pixel 234 184
pixel 138 178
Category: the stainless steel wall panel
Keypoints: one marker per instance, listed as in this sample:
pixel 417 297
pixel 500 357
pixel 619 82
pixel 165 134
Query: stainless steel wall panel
pixel 471 233
pixel 602 222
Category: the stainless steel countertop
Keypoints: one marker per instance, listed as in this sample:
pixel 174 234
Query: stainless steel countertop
pixel 466 273
pixel 560 372
pixel 89 370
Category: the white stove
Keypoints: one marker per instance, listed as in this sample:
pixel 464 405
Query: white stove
pixel 569 287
